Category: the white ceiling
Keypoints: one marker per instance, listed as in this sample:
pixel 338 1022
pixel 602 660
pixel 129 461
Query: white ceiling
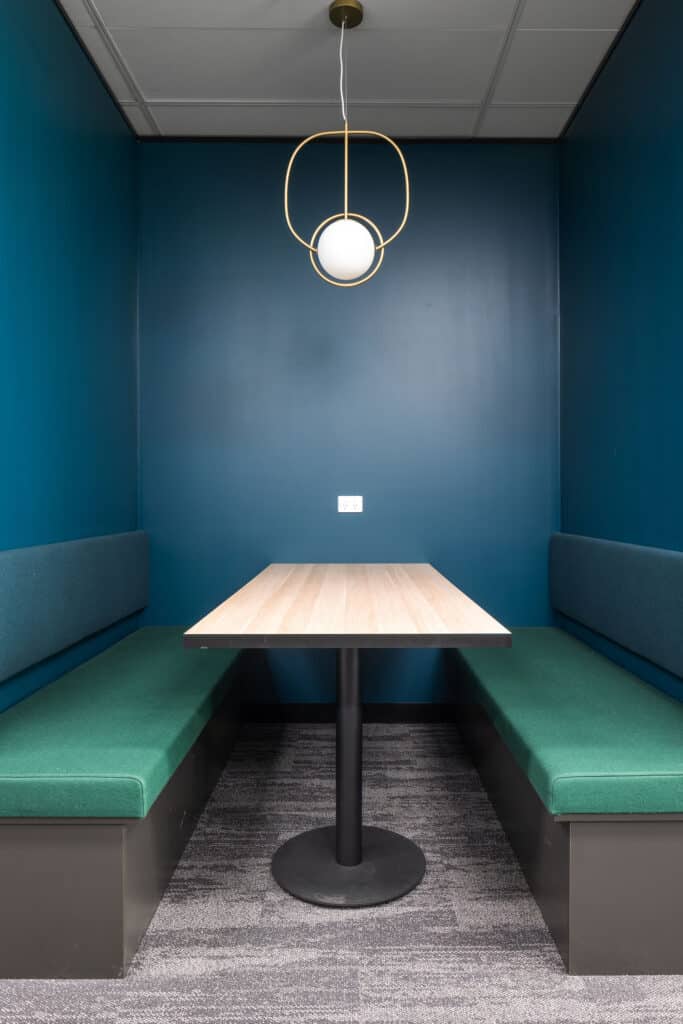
pixel 416 68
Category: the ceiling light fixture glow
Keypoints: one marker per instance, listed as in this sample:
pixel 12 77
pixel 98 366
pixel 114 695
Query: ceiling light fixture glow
pixel 347 249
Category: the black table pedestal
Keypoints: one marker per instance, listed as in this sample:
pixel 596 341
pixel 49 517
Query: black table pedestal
pixel 348 865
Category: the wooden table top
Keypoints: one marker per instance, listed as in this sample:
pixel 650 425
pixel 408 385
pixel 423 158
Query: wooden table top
pixel 352 605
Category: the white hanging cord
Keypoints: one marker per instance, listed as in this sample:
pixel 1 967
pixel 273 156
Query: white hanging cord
pixel 342 83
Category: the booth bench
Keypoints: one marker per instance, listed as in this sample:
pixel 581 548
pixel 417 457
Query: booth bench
pixel 584 762
pixel 104 772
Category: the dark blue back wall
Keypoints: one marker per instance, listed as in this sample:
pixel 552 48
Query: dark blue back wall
pixel 432 390
pixel 68 298
pixel 622 317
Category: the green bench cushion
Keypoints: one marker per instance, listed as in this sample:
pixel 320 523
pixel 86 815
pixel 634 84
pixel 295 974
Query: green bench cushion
pixel 591 737
pixel 104 740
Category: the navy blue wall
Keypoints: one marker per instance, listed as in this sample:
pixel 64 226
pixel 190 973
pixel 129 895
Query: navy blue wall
pixel 68 298
pixel 622 316
pixel 431 390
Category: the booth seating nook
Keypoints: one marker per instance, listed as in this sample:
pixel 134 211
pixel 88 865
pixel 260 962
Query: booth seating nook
pixel 104 772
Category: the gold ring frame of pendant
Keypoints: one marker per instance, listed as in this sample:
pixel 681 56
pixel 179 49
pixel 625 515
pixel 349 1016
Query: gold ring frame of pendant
pixel 381 245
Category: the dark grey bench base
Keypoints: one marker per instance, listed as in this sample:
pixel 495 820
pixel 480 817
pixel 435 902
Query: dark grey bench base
pixel 78 894
pixel 609 887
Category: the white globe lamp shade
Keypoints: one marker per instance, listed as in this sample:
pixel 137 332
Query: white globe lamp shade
pixel 346 249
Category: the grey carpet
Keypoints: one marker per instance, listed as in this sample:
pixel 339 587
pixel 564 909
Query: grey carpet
pixel 468 946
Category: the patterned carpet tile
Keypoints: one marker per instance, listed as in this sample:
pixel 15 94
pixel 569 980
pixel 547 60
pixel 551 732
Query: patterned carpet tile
pixel 493 986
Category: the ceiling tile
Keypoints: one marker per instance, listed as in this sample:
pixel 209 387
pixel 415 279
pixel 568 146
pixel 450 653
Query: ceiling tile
pixel 550 67
pixel 283 14
pixel 76 11
pixel 524 122
pixel 106 63
pixel 305 14
pixel 251 64
pixel 298 121
pixel 577 14
pixel 417 122
pixel 137 119
pixel 452 15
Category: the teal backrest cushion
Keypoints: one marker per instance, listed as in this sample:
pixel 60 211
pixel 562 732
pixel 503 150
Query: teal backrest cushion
pixel 54 595
pixel 630 594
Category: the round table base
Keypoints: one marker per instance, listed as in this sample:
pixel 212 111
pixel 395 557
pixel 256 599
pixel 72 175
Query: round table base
pixel 306 867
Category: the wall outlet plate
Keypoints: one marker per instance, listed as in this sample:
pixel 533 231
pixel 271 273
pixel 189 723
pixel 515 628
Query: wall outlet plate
pixel 350 503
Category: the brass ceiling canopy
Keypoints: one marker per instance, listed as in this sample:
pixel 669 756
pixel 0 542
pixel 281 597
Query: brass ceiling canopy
pixel 348 12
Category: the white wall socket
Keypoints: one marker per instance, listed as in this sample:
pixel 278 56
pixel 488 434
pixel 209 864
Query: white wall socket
pixel 350 503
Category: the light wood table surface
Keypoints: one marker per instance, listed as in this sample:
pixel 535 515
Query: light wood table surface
pixel 348 606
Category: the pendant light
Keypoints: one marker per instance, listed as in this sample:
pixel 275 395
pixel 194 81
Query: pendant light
pixel 347 248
